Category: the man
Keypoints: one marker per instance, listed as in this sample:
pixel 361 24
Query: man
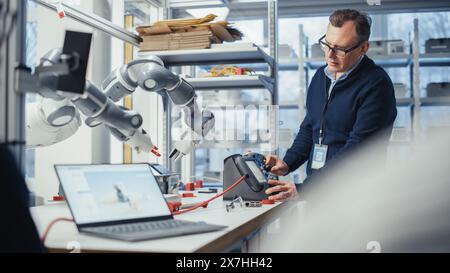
pixel 349 100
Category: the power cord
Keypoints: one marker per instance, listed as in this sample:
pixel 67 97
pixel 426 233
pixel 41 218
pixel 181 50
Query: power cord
pixel 50 226
pixel 206 203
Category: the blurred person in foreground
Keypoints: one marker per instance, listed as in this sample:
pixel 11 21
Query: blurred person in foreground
pixel 399 205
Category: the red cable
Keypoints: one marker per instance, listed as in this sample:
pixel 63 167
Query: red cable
pixel 205 203
pixel 44 237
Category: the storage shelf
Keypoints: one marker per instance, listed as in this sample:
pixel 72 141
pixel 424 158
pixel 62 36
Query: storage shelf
pixel 283 65
pixel 436 101
pixel 434 59
pixel 405 101
pixel 288 64
pixel 426 60
pixel 212 106
pixel 293 105
pixel 394 60
pixel 218 55
pixel 232 82
pixel 400 102
pixel 411 62
pixel 401 60
pixel 233 145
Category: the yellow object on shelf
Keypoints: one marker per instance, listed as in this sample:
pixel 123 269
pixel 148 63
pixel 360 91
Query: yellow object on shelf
pixel 222 71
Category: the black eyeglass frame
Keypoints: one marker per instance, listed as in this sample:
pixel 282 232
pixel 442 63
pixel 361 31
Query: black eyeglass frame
pixel 335 49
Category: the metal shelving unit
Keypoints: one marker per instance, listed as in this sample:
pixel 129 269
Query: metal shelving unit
pixel 425 60
pixel 435 101
pixel 312 63
pixel 398 60
pixel 405 101
pixel 387 61
pixel 226 54
pixel 414 61
pixel 233 145
pixel 394 60
pixel 233 82
pixel 434 59
pixel 217 55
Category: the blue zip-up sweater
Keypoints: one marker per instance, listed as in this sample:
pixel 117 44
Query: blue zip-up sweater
pixel 359 107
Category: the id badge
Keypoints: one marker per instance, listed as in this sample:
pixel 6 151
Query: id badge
pixel 319 156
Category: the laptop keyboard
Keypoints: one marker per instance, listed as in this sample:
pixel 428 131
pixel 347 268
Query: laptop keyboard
pixel 145 226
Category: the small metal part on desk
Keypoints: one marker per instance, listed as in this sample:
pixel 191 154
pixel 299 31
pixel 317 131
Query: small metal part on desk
pixel 232 205
pixel 253 204
pixel 175 189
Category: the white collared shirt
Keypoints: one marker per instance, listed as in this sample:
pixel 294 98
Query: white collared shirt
pixel 344 76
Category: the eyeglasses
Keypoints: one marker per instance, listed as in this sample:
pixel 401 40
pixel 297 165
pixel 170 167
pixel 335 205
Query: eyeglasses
pixel 340 52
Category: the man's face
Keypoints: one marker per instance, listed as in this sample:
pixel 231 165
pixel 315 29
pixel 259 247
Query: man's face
pixel 344 37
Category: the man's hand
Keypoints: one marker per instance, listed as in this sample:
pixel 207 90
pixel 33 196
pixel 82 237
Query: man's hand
pixel 285 190
pixel 279 167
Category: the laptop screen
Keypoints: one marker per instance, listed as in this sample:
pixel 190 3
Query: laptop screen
pixel 104 193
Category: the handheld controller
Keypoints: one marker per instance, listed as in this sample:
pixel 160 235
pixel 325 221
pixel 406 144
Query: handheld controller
pixel 257 182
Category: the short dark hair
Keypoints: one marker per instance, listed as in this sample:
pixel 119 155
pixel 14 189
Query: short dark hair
pixel 362 21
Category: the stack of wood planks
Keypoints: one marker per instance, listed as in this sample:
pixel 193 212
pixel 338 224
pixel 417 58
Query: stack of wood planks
pixel 186 34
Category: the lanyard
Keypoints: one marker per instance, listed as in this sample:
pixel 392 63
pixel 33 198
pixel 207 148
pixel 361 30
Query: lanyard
pixel 325 108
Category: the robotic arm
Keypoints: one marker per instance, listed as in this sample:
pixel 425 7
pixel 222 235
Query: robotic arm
pixel 49 122
pixel 151 75
pixel 125 125
pixel 56 117
pixel 52 118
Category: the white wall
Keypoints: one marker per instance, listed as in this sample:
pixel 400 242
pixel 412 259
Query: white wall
pixel 76 149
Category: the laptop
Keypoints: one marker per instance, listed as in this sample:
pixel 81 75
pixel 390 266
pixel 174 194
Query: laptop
pixel 121 202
